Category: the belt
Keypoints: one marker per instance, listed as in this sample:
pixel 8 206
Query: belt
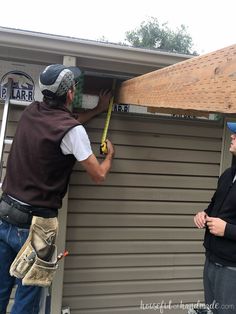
pixel 12 202
pixel 29 209
pixel 13 215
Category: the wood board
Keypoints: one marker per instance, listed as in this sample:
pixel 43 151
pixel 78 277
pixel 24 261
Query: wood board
pixel 205 83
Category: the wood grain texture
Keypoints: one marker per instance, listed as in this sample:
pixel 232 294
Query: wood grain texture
pixel 205 83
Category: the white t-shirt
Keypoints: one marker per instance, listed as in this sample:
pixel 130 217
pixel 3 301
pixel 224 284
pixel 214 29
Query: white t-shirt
pixel 77 143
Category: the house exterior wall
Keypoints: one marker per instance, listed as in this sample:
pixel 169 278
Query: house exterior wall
pixel 131 240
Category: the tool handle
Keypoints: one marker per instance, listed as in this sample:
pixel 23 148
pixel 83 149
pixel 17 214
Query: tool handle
pixel 61 255
pixel 103 148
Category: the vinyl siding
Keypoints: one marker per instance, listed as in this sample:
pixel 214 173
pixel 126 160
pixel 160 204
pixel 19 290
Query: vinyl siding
pixel 131 240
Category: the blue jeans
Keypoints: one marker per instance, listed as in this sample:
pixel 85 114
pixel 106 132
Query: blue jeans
pixel 27 297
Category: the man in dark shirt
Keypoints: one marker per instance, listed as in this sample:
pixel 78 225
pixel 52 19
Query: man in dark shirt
pixel 219 219
pixel 48 141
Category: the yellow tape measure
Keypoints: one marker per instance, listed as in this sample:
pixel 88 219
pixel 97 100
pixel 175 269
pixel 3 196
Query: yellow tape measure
pixel 103 146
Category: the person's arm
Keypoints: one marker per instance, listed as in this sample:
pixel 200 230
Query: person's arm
pixel 103 103
pixel 200 218
pixel 76 142
pixel 211 205
pixel 98 171
pixel 216 226
pixel 221 228
pixel 230 231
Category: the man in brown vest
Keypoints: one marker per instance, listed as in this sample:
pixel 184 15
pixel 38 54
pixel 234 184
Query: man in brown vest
pixel 48 141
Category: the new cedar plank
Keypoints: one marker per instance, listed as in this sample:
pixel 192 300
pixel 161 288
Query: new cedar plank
pixel 204 83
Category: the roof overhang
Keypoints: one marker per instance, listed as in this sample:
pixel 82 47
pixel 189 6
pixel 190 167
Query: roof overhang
pixel 40 48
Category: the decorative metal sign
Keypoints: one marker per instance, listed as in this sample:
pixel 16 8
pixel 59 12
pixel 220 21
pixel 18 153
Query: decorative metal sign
pixel 23 86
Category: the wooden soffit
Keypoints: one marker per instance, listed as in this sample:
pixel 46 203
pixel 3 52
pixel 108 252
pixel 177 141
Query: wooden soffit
pixel 204 83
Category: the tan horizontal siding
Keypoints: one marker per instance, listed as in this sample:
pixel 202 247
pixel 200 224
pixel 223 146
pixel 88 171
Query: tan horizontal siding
pixel 134 193
pixel 127 220
pixel 157 154
pixel 159 140
pixel 132 238
pixel 133 247
pixel 132 273
pixel 127 233
pixel 150 153
pixel 176 309
pixel 155 125
pixel 137 286
pixel 149 180
pixel 163 167
pixel 110 301
pixel 138 207
pixel 141 260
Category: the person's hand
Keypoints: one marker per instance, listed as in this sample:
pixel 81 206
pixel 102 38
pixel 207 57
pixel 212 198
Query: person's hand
pixel 216 226
pixel 104 100
pixel 110 148
pixel 200 219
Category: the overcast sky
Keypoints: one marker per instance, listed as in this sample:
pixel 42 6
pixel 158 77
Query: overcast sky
pixel 210 23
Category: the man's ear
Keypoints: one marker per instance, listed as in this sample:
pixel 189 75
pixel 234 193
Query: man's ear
pixel 69 96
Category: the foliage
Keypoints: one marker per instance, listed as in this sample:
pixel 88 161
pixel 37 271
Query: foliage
pixel 151 34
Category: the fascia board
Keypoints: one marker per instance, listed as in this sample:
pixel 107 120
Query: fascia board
pixel 82 48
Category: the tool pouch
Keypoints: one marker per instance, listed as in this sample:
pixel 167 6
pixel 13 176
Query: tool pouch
pixel 42 272
pixel 36 262
pixel 24 262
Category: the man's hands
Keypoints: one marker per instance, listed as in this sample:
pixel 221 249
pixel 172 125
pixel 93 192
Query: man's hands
pixel 104 100
pixel 200 219
pixel 103 104
pixel 110 148
pixel 215 225
pixel 96 170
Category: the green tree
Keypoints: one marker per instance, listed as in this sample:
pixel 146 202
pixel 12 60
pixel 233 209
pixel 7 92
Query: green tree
pixel 151 34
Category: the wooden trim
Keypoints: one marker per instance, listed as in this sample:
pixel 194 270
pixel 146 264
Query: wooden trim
pixel 204 83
